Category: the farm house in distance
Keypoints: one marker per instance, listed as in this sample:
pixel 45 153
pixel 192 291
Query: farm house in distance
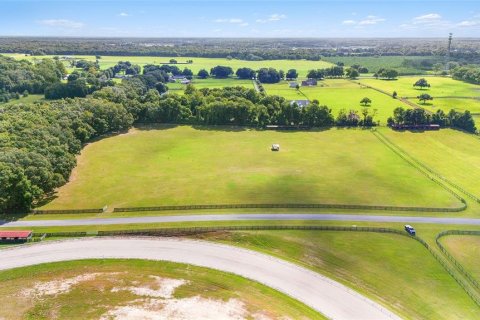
pixel 309 83
pixel 300 103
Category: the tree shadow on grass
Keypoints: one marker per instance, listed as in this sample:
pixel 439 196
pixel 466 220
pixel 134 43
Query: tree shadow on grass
pixel 154 126
pixel 12 216
pixel 227 128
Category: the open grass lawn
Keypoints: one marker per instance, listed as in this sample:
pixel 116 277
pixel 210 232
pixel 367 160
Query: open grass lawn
pixel 446 104
pixel 453 154
pixel 339 94
pixel 375 63
pixel 394 270
pixel 466 250
pixel 92 296
pixel 440 87
pixel 302 66
pixel 165 165
pixel 31 98
pixel 179 88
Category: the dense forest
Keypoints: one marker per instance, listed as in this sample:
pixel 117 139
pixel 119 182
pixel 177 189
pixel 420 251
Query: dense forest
pixel 465 50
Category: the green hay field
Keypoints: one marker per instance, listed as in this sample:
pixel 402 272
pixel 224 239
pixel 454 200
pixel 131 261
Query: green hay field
pixel 453 154
pixel 178 88
pixel 166 165
pixel 377 62
pixel 302 66
pixel 466 250
pixel 339 94
pixel 393 270
pixel 446 104
pixel 93 298
pixel 440 87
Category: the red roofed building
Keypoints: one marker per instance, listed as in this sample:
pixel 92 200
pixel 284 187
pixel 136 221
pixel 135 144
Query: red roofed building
pixel 15 235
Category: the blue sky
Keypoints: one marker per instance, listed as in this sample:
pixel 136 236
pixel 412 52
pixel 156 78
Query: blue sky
pixel 234 18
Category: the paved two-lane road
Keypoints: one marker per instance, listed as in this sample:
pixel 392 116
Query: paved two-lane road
pixel 328 297
pixel 238 217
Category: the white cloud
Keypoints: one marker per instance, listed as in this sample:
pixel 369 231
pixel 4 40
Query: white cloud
pixel 349 22
pixel 62 23
pixel 428 21
pixel 272 18
pixel 427 18
pixel 468 23
pixel 231 20
pixel 370 20
pixel 123 14
pixel 245 24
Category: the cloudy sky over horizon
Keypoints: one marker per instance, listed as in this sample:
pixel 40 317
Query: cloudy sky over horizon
pixel 234 18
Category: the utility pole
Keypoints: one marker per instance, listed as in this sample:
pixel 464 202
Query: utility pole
pixel 447 57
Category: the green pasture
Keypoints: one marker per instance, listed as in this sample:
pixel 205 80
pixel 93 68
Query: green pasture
pixel 168 165
pixel 440 87
pixel 302 66
pixel 394 270
pixel 211 83
pixel 466 250
pixel 451 153
pixel 446 104
pixel 93 298
pixel 375 63
pixel 339 94
pixel 31 98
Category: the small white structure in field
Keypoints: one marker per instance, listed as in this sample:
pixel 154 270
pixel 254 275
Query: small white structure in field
pixel 275 147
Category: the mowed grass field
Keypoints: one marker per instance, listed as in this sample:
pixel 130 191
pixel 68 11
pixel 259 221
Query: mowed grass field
pixel 447 93
pixel 466 250
pixel 440 87
pixel 394 270
pixel 451 153
pixel 446 104
pixel 93 289
pixel 339 94
pixel 165 165
pixel 302 66
pixel 375 63
pixel 210 83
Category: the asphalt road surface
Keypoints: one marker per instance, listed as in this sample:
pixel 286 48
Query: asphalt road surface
pixel 329 297
pixel 238 217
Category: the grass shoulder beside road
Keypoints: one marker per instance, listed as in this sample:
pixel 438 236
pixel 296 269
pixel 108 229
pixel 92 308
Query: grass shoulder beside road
pixel 391 269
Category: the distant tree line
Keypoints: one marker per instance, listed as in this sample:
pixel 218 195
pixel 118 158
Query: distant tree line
pixel 469 74
pixel 243 49
pixel 22 77
pixel 418 116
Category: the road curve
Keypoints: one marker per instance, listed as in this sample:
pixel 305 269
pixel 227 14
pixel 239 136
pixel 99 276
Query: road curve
pixel 329 297
pixel 238 217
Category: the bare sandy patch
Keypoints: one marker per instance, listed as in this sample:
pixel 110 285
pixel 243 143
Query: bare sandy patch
pixel 161 288
pixel 181 309
pixel 60 286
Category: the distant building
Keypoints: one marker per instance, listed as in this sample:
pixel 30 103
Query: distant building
pixel 293 84
pixel 309 83
pixel 300 103
pixel 186 81
pixel 15 236
pixel 415 127
pixel 178 77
